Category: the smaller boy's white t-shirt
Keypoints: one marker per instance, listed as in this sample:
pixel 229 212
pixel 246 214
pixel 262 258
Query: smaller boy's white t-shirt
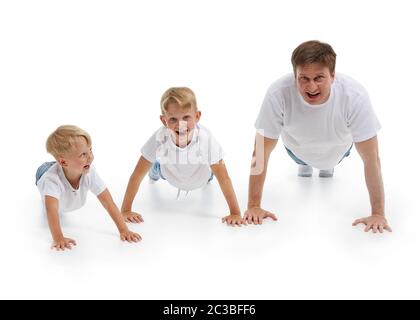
pixel 185 168
pixel 319 135
pixel 54 183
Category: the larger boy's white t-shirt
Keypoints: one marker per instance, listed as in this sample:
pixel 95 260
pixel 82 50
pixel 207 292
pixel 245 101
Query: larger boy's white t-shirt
pixel 185 168
pixel 54 183
pixel 319 135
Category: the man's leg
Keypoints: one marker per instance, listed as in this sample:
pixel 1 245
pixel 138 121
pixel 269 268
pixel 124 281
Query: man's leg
pixel 326 173
pixel 330 172
pixel 304 170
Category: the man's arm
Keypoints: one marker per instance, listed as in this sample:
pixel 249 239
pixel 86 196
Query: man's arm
pixel 368 151
pixel 262 150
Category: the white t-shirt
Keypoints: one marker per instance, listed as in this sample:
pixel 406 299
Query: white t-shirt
pixel 319 135
pixel 185 168
pixel 54 183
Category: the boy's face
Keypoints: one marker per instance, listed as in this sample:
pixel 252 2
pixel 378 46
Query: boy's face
pixel 79 160
pixel 181 123
pixel 314 82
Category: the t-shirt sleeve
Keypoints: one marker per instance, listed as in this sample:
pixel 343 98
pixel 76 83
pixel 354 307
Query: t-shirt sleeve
pixel 210 147
pixel 216 152
pixel 362 120
pixel 96 184
pixel 149 150
pixel 50 186
pixel 270 119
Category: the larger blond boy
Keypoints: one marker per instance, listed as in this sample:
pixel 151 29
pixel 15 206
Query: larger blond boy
pixel 182 152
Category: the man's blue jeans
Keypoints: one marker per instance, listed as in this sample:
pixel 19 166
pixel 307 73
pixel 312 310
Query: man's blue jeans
pixel 301 162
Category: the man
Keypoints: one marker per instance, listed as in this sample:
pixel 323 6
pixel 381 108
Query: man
pixel 319 115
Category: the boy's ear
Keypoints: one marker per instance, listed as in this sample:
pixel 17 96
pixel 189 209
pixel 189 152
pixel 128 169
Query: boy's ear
pixel 198 116
pixel 163 119
pixel 62 162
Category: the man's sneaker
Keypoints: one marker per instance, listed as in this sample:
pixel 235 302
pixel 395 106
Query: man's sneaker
pixel 326 173
pixel 305 171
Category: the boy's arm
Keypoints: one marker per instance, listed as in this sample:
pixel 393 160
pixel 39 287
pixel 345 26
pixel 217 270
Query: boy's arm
pixel 59 241
pixel 369 153
pixel 262 150
pixel 142 167
pixel 108 203
pixel 225 183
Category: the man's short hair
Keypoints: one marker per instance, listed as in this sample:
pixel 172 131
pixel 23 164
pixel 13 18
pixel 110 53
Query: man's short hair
pixel 314 52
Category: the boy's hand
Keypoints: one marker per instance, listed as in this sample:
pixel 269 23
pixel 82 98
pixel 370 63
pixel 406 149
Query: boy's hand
pixel 130 236
pixel 256 215
pixel 376 223
pixel 233 220
pixel 63 244
pixel 132 217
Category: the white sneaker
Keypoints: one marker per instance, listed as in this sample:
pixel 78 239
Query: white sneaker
pixel 326 173
pixel 305 171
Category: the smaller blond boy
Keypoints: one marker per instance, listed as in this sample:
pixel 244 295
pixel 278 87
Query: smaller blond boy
pixel 64 183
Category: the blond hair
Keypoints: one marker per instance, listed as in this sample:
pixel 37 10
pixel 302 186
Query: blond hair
pixel 182 96
pixel 63 139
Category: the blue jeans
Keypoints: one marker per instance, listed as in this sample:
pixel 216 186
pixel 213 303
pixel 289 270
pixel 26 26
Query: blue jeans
pixel 42 169
pixel 301 162
pixel 155 172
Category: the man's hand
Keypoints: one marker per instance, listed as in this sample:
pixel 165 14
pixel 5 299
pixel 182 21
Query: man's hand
pixel 257 215
pixel 233 220
pixel 63 244
pixel 376 223
pixel 132 217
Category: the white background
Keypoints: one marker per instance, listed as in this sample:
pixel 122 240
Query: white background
pixel 103 66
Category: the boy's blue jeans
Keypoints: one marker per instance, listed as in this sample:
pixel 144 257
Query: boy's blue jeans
pixel 155 172
pixel 42 169
pixel 301 162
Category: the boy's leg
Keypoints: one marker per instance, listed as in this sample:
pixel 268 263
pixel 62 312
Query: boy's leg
pixel 154 173
pixel 42 169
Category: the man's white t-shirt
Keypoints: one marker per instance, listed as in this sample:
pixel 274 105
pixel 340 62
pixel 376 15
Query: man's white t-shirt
pixel 54 183
pixel 319 135
pixel 185 168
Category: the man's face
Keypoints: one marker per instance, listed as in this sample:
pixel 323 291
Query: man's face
pixel 314 82
pixel 181 123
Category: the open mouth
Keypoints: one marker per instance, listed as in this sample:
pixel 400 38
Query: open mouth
pixel 86 167
pixel 313 95
pixel 181 133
